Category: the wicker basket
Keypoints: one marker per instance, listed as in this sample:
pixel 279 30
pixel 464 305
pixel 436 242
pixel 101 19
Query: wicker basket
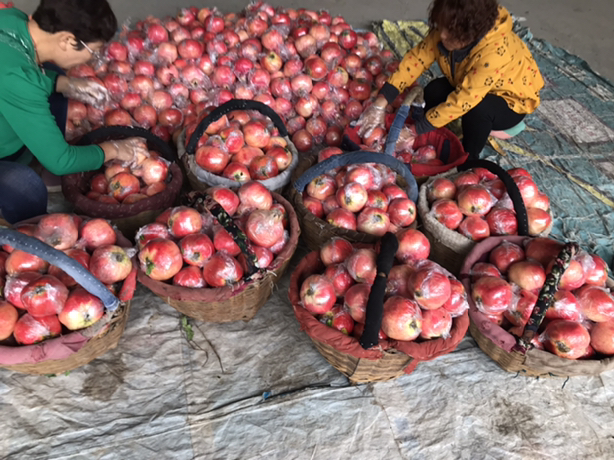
pixel 128 218
pixel 232 303
pixel 448 247
pixel 202 180
pixel 388 360
pixel 75 349
pixel 317 231
pixel 501 346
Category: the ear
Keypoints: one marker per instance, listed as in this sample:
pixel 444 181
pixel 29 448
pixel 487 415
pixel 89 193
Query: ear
pixel 66 40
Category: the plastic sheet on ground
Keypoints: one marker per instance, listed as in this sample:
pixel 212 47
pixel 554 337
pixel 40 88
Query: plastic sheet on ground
pixel 260 390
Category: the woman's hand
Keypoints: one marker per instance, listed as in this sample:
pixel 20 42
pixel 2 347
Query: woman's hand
pixel 83 90
pixel 131 152
pixel 373 117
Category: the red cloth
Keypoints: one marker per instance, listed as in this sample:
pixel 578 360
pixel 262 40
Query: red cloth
pixel 436 139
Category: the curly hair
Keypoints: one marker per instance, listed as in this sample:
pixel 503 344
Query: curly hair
pixel 465 20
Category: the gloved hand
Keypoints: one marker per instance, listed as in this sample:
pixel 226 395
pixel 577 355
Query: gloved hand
pixel 131 152
pixel 422 124
pixel 373 117
pixel 86 91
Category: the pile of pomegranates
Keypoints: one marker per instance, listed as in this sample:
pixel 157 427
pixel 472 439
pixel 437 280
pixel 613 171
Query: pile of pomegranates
pixel 190 249
pixel 361 197
pixel 118 183
pixel 421 297
pixel 314 70
pixel 579 324
pixel 39 300
pixel 242 146
pixel 476 204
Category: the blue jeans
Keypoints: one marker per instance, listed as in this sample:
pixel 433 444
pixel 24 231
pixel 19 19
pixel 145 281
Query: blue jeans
pixel 23 194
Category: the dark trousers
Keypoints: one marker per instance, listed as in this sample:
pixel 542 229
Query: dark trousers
pixel 492 113
pixel 23 194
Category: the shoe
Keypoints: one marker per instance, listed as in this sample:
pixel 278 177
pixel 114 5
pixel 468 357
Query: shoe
pixel 509 133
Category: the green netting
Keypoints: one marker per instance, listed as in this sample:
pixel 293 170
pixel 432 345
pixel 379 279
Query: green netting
pixel 568 145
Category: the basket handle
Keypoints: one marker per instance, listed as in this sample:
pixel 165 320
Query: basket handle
pixel 375 303
pixel 107 133
pixel 511 187
pixel 415 95
pixel 204 203
pixel 73 268
pixel 359 157
pixel 231 106
pixel 546 296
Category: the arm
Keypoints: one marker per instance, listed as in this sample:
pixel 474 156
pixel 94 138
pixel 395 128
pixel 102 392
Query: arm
pixel 415 62
pixel 24 103
pixel 475 86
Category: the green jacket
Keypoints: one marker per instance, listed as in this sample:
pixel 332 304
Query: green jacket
pixel 25 117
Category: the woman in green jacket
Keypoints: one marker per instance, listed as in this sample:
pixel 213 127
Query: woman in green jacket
pixel 33 100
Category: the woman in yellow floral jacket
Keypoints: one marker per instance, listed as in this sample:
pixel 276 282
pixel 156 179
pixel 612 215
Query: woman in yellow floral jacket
pixel 491 79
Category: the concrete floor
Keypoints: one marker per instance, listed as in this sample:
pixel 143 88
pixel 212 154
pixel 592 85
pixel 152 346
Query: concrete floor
pixel 584 28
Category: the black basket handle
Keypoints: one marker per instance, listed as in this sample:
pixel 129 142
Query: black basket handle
pixel 203 203
pixel 546 296
pixel 357 158
pixel 511 187
pixel 73 268
pixel 231 106
pixel 375 303
pixel 108 133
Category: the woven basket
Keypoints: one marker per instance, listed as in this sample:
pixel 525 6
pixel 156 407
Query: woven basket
pixel 232 303
pixel 77 348
pixel 317 231
pixel 202 180
pixel 128 218
pixel 500 345
pixel 448 247
pixel 388 360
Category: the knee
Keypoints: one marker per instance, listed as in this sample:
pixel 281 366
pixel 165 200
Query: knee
pixel 437 91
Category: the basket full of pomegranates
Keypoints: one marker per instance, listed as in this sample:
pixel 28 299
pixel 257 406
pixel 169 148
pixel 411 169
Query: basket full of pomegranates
pixel 358 195
pixel 375 311
pixel 237 142
pixel 217 257
pixel 67 283
pixel 128 196
pixel 478 200
pixel 540 307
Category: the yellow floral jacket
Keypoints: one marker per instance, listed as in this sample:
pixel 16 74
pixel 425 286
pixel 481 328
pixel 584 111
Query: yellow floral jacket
pixel 500 64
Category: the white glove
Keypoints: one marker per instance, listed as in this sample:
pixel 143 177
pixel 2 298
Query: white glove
pixel 86 91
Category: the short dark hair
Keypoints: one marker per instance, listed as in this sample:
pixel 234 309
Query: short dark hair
pixel 88 20
pixel 466 20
